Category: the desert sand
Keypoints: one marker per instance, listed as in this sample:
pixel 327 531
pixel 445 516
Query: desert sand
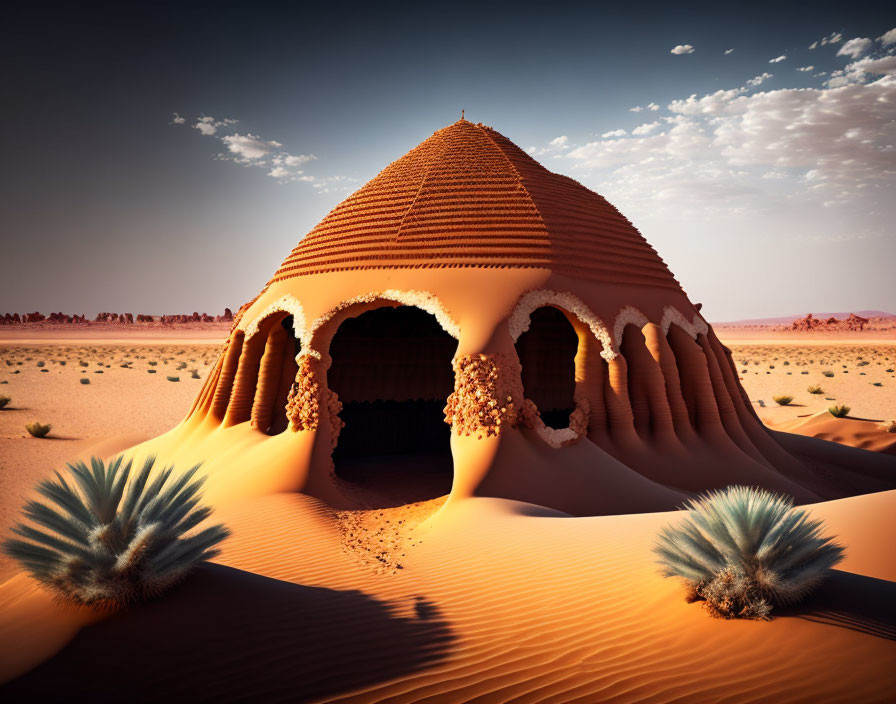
pixel 488 600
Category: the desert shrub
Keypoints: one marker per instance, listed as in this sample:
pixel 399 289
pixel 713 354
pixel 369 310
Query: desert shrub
pixel 783 400
pixel 194 373
pixel 827 373
pixel 173 378
pixel 105 537
pixel 151 371
pixel 41 364
pixel 4 401
pixel 38 430
pixel 83 364
pixel 890 427
pixel 863 363
pixel 745 550
pixel 153 363
pixel 182 365
pixel 839 411
pixel 876 383
pixel 84 380
pixel 815 389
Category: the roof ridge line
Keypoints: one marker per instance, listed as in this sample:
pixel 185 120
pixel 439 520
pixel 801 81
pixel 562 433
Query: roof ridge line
pixel 417 194
pixel 519 178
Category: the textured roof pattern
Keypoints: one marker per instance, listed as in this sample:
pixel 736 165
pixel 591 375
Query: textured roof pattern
pixel 468 196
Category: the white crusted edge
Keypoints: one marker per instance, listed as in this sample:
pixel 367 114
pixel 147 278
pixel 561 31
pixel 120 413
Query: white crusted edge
pixel 419 299
pixel 556 437
pixel 627 316
pixel 672 315
pixel 286 304
pixel 533 300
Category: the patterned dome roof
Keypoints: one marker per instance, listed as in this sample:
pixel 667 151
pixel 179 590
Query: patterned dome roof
pixel 469 197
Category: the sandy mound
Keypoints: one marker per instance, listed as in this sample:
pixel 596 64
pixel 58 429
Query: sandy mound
pixel 492 603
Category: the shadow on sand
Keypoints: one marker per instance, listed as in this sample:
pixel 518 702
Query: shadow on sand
pixel 853 601
pixel 227 635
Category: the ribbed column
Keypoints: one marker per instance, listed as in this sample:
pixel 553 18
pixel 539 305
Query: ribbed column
pixel 269 379
pixel 228 372
pixel 730 421
pixel 659 349
pixel 240 407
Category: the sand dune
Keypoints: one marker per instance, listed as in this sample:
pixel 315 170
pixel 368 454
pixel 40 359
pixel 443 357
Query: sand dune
pixel 490 604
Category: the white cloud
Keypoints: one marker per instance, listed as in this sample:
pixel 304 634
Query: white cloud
pixel 813 45
pixel 208 125
pixel 646 128
pixel 295 160
pixel 888 37
pixel 653 106
pixel 706 105
pixel 778 59
pixel 560 142
pixel 177 120
pixel 637 108
pixel 649 106
pixel 682 49
pixel 830 147
pixel 759 80
pixel 855 47
pixel 613 133
pixel 334 184
pixel 249 147
pixel 728 51
pixel 806 68
pixel 884 66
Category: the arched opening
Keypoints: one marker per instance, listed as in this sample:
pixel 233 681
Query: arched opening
pixel 391 368
pixel 270 400
pixel 547 353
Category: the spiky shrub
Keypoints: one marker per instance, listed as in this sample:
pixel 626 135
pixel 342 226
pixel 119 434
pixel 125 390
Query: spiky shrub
pixel 828 374
pixel 106 537
pixel 4 401
pixel 839 411
pixel 783 400
pixel 38 430
pixel 815 389
pixel 745 550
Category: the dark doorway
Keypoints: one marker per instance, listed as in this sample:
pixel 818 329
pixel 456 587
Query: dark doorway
pixel 547 353
pixel 392 372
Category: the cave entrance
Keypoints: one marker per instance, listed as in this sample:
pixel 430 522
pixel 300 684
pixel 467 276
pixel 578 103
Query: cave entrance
pixel 391 368
pixel 547 354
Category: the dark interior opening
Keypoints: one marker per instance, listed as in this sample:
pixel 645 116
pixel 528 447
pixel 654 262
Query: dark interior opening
pixel 392 371
pixel 288 369
pixel 547 353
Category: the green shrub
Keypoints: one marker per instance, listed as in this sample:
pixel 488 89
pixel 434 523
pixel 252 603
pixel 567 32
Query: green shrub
pixel 194 373
pixel 827 373
pixel 84 364
pixel 182 365
pixel 38 430
pixel 876 383
pixel 173 378
pixel 108 538
pixel 745 550
pixel 4 401
pixel 839 411
pixel 783 400
pixel 815 389
pixel 152 364
pixel 151 371
pixel 84 380
pixel 41 364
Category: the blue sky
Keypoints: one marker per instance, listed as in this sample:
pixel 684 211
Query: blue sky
pixel 159 159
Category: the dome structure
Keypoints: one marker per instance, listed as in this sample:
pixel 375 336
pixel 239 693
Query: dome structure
pixel 469 315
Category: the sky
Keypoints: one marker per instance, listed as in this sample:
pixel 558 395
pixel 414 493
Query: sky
pixel 165 158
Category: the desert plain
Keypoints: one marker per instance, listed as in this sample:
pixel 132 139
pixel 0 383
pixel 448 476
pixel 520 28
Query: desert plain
pixel 396 600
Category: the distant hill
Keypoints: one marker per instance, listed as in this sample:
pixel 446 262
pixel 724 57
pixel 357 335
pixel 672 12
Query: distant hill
pixel 789 319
